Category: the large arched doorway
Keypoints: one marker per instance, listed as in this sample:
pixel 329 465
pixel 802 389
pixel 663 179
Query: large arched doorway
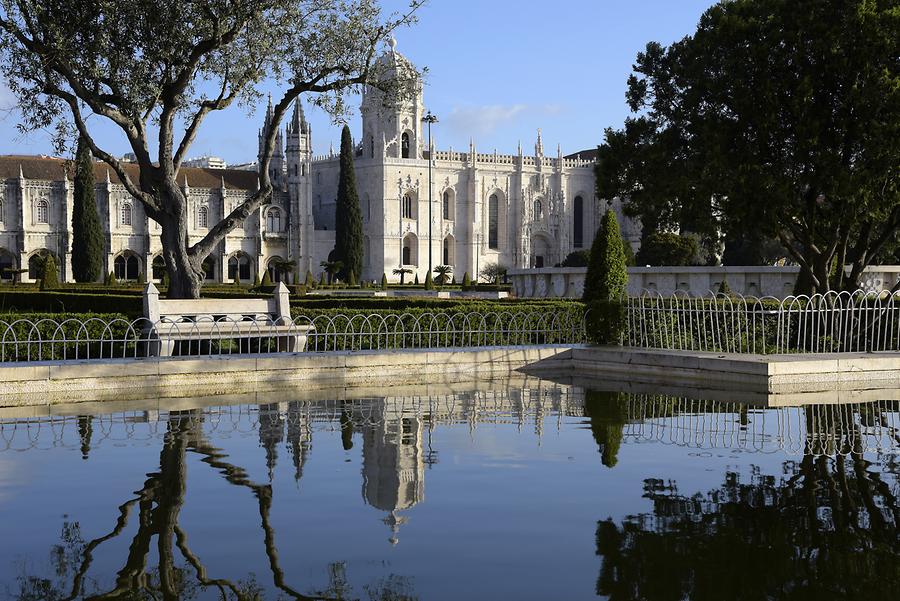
pixel 36 263
pixel 410 252
pixel 540 251
pixel 7 265
pixel 158 268
pixel 239 267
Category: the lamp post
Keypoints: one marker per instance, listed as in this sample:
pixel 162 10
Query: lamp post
pixel 429 119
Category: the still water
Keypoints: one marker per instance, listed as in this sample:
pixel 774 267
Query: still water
pixel 506 490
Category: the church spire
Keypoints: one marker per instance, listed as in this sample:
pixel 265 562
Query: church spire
pixel 539 145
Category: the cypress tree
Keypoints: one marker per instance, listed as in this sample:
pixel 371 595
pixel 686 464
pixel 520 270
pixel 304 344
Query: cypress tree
pixel 607 273
pixel 467 281
pixel 429 282
pixel 266 279
pixel 384 282
pixel 310 281
pixel 348 229
pixel 416 281
pixel 87 235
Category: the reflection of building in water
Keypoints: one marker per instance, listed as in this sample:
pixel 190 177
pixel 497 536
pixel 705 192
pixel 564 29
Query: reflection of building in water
pixel 393 464
pixel 272 419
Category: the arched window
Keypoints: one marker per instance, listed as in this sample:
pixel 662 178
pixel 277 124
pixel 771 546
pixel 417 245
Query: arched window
pixel 7 265
pixel 273 220
pixel 274 269
pixel 125 215
pixel 578 222
pixel 538 210
pixel 410 250
pixel 127 267
pixel 203 217
pixel 449 254
pixel 404 145
pixel 408 206
pixel 239 266
pixel 42 211
pixel 158 268
pixel 493 222
pixel 448 209
pixel 209 268
pixel 36 264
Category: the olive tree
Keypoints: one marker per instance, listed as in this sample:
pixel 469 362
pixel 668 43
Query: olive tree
pixel 156 69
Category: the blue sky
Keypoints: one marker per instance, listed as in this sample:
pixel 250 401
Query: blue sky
pixel 498 70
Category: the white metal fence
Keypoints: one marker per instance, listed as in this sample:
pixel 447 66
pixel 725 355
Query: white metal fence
pixel 835 322
pixel 95 338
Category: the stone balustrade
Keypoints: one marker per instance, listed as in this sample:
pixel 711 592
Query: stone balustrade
pixel 568 282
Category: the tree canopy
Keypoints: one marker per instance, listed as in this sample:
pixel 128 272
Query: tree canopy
pixel 87 234
pixel 156 69
pixel 348 227
pixel 775 117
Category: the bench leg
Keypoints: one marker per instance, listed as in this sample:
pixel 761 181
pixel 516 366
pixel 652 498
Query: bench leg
pixel 166 347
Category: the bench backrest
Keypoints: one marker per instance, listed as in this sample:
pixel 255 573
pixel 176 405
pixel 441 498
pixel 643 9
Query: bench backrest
pixel 275 309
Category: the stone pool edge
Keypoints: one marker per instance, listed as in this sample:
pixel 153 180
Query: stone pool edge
pixel 54 382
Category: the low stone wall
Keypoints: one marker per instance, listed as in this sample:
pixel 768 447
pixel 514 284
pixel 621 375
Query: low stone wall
pixel 568 282
pixel 42 383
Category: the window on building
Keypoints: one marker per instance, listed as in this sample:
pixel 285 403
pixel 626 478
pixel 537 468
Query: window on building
pixel 36 264
pixel 203 217
pixel 578 222
pixel 407 206
pixel 42 211
pixel 410 252
pixel 239 265
pixel 273 267
pixel 273 220
pixel 127 267
pixel 7 265
pixel 538 210
pixel 449 251
pixel 493 222
pixel 404 145
pixel 158 268
pixel 126 213
pixel 372 146
pixel 448 205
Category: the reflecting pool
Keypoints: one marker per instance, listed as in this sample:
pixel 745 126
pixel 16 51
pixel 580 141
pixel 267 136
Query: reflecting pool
pixel 523 489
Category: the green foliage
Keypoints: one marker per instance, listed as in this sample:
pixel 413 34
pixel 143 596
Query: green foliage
pixel 165 280
pixel 806 152
pixel 606 321
pixel 402 271
pixel 87 234
pixel 80 340
pixel 416 281
pixel 467 281
pixel 384 281
pixel 256 282
pixel 141 278
pixel 236 280
pixel 332 268
pixel 266 279
pixel 724 288
pixel 608 415
pixel 577 258
pixel 348 228
pixel 310 281
pixel 607 274
pixel 443 274
pixel 70 302
pixel 429 282
pixel 493 272
pixel 351 280
pixel 322 281
pixel 667 249
pixel 49 274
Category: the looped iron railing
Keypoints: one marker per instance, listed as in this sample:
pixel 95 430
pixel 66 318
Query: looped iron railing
pixel 834 322
pixel 96 338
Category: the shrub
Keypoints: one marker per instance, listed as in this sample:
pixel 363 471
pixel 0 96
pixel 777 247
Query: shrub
pixel 110 279
pixel 49 274
pixel 416 281
pixel 724 288
pixel 384 281
pixel 67 336
pixel 493 272
pixel 606 320
pixel 668 249
pixel 70 302
pixel 310 281
pixel 322 281
pixel 266 280
pixel 351 280
pixel 467 281
pixel 607 274
pixel 577 258
pixel 429 283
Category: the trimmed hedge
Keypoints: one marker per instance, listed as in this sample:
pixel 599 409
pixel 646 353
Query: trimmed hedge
pixel 66 336
pixel 460 324
pixel 58 302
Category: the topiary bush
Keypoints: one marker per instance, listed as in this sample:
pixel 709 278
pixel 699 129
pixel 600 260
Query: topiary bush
pixel 266 280
pixel 606 283
pixel 384 281
pixel 49 274
pixel 429 283
pixel 577 258
pixel 606 321
pixel 466 282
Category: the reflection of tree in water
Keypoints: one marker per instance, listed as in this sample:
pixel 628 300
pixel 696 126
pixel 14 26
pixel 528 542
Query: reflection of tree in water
pixel 180 573
pixel 827 526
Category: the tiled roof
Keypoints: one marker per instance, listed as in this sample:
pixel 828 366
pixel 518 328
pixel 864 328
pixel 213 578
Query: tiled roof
pixel 53 169
pixel 585 155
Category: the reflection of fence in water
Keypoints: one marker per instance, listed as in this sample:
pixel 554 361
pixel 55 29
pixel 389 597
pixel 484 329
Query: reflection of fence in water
pixel 811 429
pixel 701 424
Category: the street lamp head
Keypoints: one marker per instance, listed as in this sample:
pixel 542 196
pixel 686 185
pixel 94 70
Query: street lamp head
pixel 430 118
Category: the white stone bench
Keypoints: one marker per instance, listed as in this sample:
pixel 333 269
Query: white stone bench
pixel 245 320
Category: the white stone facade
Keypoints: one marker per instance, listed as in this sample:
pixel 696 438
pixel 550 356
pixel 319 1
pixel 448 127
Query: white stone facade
pixel 517 210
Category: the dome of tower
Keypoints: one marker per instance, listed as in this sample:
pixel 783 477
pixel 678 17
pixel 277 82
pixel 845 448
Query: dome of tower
pixel 393 65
